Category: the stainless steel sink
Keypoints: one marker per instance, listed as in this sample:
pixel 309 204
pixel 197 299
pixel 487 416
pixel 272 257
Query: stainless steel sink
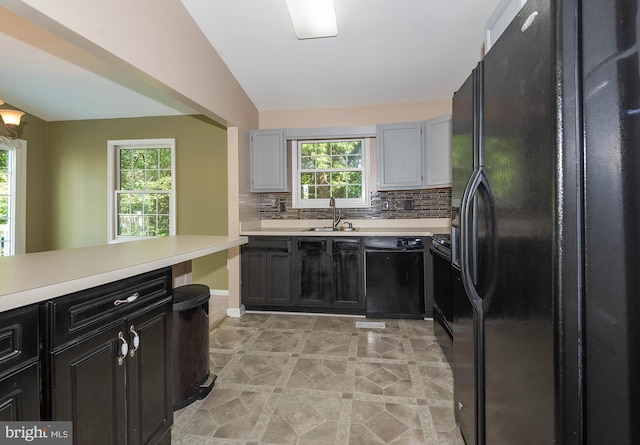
pixel 322 229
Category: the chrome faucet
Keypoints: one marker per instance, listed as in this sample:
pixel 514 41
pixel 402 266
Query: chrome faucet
pixel 336 220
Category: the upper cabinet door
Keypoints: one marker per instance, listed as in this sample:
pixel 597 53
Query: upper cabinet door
pixel 400 156
pixel 437 137
pixel 268 161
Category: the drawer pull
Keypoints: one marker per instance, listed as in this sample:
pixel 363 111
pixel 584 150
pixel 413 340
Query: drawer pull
pixel 134 340
pixel 123 347
pixel 130 299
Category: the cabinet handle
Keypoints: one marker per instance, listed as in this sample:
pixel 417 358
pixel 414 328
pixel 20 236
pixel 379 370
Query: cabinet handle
pixel 130 299
pixel 134 339
pixel 123 348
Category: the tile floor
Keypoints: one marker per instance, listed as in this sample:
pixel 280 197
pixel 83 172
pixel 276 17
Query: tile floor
pixel 306 379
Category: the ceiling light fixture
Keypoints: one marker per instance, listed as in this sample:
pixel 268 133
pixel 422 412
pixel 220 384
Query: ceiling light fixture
pixel 313 19
pixel 11 119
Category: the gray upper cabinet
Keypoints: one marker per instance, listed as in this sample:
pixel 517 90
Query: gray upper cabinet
pixel 400 156
pixel 268 154
pixel 414 155
pixel 437 140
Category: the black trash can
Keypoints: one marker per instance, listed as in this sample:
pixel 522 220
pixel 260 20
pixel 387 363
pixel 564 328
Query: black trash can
pixel 191 377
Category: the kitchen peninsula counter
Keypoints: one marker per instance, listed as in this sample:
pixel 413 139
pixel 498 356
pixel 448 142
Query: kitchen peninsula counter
pixel 36 277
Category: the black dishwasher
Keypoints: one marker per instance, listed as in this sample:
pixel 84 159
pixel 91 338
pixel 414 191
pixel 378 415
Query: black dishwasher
pixel 394 277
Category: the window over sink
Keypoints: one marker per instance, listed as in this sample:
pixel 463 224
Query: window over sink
pixel 324 168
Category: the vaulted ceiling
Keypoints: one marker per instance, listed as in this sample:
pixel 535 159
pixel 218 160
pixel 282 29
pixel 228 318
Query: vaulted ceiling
pixel 386 51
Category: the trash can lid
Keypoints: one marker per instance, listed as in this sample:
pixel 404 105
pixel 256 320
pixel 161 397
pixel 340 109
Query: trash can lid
pixel 190 296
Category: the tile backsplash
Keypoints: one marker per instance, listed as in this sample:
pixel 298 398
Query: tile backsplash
pixel 404 204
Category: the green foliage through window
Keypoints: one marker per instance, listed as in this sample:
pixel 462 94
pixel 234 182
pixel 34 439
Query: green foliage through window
pixel 5 201
pixel 143 197
pixel 331 168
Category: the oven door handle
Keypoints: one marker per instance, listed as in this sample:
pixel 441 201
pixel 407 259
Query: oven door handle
pixel 441 254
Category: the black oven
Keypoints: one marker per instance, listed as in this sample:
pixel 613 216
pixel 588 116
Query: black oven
pixel 442 299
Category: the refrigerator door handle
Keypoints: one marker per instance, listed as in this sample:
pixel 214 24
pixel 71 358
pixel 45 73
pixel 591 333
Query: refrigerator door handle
pixel 468 237
pixel 465 241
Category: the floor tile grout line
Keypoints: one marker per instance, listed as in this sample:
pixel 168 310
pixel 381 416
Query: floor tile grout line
pixel 265 417
pixel 344 423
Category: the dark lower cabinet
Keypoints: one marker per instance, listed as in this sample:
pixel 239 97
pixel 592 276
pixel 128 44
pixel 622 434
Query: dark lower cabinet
pixel 19 365
pixel 330 274
pixel 149 397
pixel 304 274
pixel 88 388
pixel 110 361
pixel 20 394
pixel 266 272
pixel 313 273
pixel 347 273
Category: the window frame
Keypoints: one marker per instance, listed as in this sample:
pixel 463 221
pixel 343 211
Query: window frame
pixel 18 205
pixel 113 175
pixel 296 155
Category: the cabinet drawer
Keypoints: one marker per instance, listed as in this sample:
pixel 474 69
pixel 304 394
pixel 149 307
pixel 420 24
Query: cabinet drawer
pixel 78 314
pixel 352 245
pixel 19 337
pixel 268 243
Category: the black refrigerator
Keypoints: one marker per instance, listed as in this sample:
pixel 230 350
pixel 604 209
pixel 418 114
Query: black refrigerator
pixel 545 234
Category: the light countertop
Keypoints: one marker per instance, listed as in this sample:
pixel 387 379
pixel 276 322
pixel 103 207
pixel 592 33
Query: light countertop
pixel 387 227
pixel 36 277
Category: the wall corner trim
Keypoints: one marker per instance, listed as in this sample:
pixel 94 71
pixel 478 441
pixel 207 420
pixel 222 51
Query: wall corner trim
pixel 236 312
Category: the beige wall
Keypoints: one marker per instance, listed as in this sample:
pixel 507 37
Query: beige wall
pixel 367 115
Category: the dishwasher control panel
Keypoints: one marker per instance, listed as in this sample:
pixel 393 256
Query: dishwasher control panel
pixel 410 243
pixel 393 243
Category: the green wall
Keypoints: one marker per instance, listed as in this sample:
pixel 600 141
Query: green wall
pixel 75 179
pixel 34 131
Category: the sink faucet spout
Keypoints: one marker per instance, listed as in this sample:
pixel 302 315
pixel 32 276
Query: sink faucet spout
pixel 332 204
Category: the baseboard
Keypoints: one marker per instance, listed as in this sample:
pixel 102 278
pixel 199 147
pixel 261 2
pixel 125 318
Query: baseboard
pixel 236 312
pixel 219 292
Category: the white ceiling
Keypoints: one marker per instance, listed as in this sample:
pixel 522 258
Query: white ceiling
pixel 386 51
